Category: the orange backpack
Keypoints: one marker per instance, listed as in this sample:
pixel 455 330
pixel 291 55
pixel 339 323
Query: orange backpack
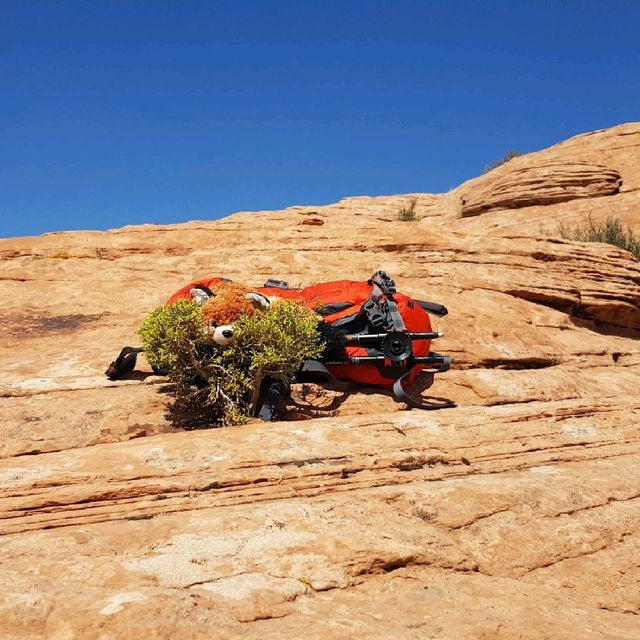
pixel 387 335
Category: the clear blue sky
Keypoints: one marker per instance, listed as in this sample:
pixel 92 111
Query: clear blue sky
pixel 116 113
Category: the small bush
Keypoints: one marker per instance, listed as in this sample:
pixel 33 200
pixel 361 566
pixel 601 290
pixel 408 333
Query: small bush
pixel 509 155
pixel 610 231
pixel 215 385
pixel 173 337
pixel 271 345
pixel 408 213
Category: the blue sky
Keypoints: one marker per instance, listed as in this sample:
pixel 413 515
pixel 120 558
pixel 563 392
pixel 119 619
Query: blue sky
pixel 116 113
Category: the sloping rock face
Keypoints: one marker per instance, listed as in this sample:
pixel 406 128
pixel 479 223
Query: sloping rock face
pixel 515 515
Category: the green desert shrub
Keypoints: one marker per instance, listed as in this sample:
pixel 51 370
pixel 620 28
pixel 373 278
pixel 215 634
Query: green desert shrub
pixel 215 385
pixel 174 337
pixel 610 231
pixel 407 213
pixel 509 155
pixel 271 345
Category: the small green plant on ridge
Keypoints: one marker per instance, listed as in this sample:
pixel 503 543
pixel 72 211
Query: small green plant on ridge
pixel 407 213
pixel 509 155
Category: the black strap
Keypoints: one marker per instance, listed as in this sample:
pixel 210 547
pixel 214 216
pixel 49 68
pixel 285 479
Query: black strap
pixel 333 307
pixel 400 395
pixel 273 401
pixel 433 307
pixel 124 363
pixel 315 369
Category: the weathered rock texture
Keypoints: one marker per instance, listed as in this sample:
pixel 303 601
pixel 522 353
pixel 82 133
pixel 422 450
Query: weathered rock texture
pixel 539 185
pixel 515 515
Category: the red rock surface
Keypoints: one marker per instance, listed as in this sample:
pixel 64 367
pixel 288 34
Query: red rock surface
pixel 515 515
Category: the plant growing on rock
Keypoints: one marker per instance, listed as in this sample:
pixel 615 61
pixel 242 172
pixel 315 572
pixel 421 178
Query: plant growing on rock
pixel 509 155
pixel 216 386
pixel 407 213
pixel 272 345
pixel 173 337
pixel 609 231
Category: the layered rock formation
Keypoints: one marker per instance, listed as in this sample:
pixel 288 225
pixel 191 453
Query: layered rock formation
pixel 542 184
pixel 515 515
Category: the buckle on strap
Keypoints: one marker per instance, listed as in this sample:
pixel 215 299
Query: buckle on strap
pixel 384 282
pixel 384 287
pixel 376 315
